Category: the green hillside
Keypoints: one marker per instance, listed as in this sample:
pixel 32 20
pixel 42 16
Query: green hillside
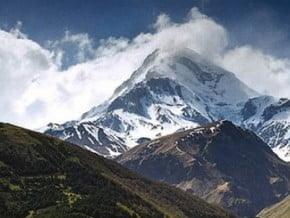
pixel 41 176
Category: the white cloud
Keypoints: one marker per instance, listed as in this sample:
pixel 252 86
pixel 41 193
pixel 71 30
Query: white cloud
pixel 72 49
pixel 16 30
pixel 55 83
pixel 21 61
pixel 262 72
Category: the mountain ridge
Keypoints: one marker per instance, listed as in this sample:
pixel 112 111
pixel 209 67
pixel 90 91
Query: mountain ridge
pixel 219 162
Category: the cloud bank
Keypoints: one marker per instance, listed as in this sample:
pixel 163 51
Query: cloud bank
pixel 61 80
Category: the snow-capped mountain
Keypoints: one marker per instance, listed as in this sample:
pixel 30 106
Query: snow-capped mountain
pixel 172 91
pixel 270 119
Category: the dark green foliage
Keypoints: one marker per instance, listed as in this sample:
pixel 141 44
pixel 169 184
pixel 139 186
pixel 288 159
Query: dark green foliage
pixel 41 176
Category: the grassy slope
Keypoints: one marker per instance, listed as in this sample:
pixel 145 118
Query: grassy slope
pixel 279 210
pixel 41 176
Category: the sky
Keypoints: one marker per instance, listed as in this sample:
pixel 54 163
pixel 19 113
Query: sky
pixel 60 58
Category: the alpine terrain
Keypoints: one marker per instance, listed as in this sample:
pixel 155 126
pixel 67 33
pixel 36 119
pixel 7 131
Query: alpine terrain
pixel 170 92
pixel 219 162
pixel 41 176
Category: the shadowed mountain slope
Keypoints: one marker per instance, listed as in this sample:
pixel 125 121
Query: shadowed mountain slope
pixel 41 176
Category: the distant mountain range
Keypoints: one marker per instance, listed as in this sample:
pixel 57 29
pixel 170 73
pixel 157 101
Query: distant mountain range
pixel 173 91
pixel 219 162
pixel 41 176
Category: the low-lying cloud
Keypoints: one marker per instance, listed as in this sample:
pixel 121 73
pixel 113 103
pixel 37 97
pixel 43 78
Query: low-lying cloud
pixel 61 80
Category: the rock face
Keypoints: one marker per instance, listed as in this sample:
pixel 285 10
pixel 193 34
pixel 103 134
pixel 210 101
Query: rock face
pixel 90 136
pixel 219 162
pixel 175 91
pixel 41 176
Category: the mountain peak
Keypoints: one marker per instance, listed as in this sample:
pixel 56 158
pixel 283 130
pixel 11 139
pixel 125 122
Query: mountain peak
pixel 170 91
pixel 189 69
